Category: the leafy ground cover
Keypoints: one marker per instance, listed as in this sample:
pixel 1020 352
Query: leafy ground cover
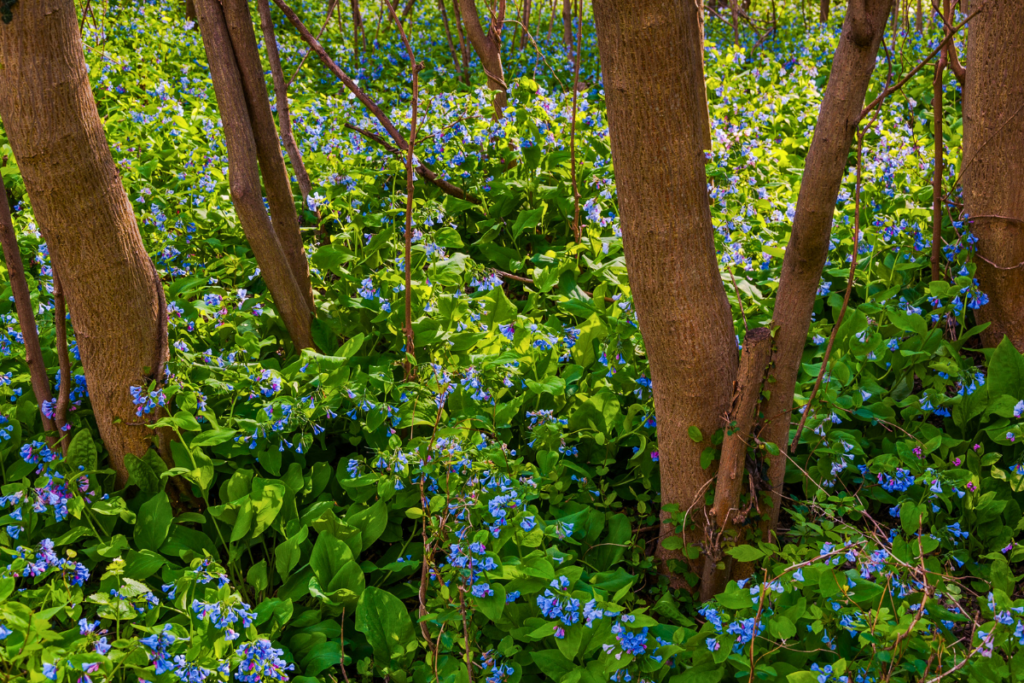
pixel 522 460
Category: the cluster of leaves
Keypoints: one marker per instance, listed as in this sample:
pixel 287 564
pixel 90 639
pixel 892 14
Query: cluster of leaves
pixel 498 511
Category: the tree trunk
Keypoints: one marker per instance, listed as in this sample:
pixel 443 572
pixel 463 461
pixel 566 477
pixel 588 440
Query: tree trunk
pixel 567 23
pixel 826 164
pixel 463 43
pixel 283 112
pixel 268 147
pixel 734 11
pixel 823 11
pixel 26 320
pixel 190 10
pixel 244 177
pixel 920 16
pixel 358 31
pixel 85 216
pixel 993 166
pixel 488 48
pixel 654 110
pixel 527 11
pixel 694 17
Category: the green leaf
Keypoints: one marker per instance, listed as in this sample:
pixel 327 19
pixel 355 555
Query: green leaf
pixel 186 421
pixel 802 677
pixel 706 673
pixel 141 472
pixel 257 575
pixel 745 553
pixel 781 627
pixel 213 438
pixel 82 452
pixel 287 554
pixel 329 556
pixel 1006 371
pixel 493 605
pixel 552 384
pixel 267 500
pixel 154 521
pixel 695 434
pixel 386 623
pixel 552 662
pixel 371 521
pixel 527 219
pixel 448 237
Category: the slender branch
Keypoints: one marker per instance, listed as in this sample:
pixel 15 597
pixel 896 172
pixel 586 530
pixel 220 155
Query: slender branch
pixel 354 88
pixel 291 81
pixel 410 177
pixel 283 112
pixel 913 72
pixel 577 233
pixel 27 322
pixel 846 296
pixel 422 169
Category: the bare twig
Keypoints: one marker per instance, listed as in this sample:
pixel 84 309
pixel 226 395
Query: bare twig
pixel 26 320
pixel 577 233
pixel 913 72
pixel 291 81
pixel 414 68
pixel 846 296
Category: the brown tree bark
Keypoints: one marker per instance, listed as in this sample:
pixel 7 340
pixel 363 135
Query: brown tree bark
pixel 734 12
pixel 567 37
pixel 463 43
pixel 805 256
pixel 823 11
pixel 488 48
pixel 920 17
pixel 993 166
pixel 693 15
pixel 358 30
pixel 268 147
pixel 726 513
pixel 654 110
pixel 527 11
pixel 85 216
pixel 244 177
pixel 190 9
pixel 23 307
pixel 281 98
pixel 937 159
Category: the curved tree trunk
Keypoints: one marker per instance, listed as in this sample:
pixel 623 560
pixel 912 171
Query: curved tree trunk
pixel 85 216
pixel 993 165
pixel 488 48
pixel 567 36
pixel 244 177
pixel 826 164
pixel 654 109
pixel 268 146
